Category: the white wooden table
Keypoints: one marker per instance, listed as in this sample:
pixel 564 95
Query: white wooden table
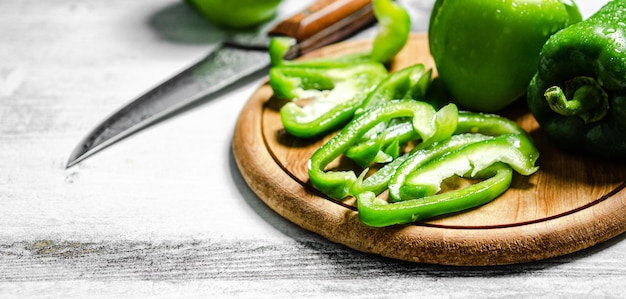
pixel 165 213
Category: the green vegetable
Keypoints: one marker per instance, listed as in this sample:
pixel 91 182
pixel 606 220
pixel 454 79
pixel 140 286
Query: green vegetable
pixel 336 92
pixel 377 212
pixel 478 153
pixel 391 176
pixel 414 179
pixel 470 128
pixel 401 143
pixel 381 144
pixel 236 13
pixel 578 94
pixel 486 52
pixel 334 88
pixel 393 31
pixel 426 122
pixel 490 159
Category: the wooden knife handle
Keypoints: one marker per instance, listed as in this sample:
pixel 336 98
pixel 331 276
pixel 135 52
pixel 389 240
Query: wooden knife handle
pixel 325 22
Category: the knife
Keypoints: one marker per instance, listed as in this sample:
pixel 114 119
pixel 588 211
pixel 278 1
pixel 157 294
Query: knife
pixel 240 56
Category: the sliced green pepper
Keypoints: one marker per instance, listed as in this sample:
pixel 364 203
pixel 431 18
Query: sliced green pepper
pixel 471 127
pixel 408 83
pixel 425 121
pixel 513 149
pixel 578 93
pixel 335 87
pixel 395 183
pixel 392 174
pixel 382 143
pixel 393 32
pixel 488 124
pixel 378 212
pixel 279 48
pixel 489 159
pixel 394 28
pixel 334 93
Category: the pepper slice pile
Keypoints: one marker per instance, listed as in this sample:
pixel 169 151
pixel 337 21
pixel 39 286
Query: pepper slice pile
pixel 333 88
pixel 336 92
pixel 402 144
pixel 427 123
pixel 465 144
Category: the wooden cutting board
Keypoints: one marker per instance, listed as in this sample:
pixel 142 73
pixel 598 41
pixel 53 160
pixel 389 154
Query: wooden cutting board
pixel 570 204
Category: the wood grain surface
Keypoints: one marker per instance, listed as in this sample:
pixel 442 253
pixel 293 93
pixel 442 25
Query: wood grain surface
pixel 573 202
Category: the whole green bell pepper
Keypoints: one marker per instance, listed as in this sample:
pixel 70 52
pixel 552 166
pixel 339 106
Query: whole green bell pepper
pixel 578 94
pixel 486 52
pixel 236 13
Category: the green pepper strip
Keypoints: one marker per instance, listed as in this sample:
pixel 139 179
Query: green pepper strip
pixel 335 92
pixel 280 46
pixel 408 83
pixel 483 159
pixel 379 213
pixel 513 149
pixel 382 143
pixel 392 173
pixel 393 33
pixel 349 77
pixel 336 184
pixel 394 27
pixel 468 122
pixel 487 124
pixel 419 158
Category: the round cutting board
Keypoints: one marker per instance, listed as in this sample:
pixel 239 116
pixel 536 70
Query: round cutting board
pixel 571 203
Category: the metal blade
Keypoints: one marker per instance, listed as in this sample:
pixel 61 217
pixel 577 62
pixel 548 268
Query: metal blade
pixel 221 68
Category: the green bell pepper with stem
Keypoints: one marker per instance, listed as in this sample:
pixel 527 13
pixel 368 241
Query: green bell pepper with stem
pixel 578 95
pixel 426 122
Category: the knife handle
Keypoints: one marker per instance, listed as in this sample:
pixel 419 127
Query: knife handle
pixel 325 22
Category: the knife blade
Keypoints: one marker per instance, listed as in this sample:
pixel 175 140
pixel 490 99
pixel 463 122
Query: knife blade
pixel 240 56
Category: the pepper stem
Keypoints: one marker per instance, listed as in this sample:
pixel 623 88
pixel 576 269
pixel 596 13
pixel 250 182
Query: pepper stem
pixel 582 97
